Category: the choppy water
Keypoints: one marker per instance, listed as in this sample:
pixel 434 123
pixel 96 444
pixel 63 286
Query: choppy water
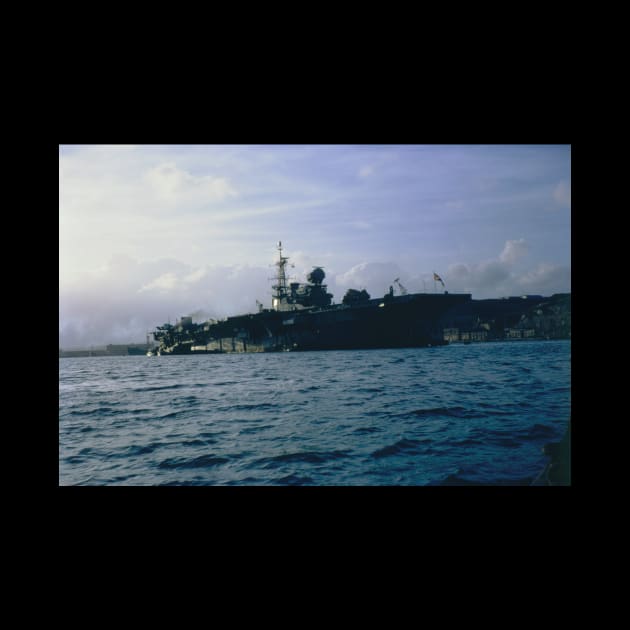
pixel 457 414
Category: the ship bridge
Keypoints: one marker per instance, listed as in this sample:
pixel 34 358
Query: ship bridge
pixel 296 295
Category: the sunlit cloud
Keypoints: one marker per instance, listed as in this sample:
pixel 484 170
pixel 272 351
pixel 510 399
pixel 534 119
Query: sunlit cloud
pixel 513 250
pixel 546 279
pixel 375 277
pixel 195 276
pixel 173 184
pixel 165 282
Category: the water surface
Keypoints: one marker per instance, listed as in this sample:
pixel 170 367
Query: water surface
pixel 456 414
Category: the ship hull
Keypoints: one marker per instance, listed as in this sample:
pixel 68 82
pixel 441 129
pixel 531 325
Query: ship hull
pixel 410 323
pixel 392 322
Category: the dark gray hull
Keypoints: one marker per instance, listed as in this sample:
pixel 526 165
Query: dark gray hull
pixel 391 322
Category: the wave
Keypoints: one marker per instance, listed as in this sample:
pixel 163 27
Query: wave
pixel 308 457
pixel 403 446
pixel 310 388
pixel 457 480
pixel 158 388
pixel 186 400
pixel 361 430
pixel 203 461
pixel 327 418
pixel 449 412
pixel 197 442
pixel 249 407
pixel 256 429
pixel 136 449
pixel 505 442
pixel 171 414
pixel 74 459
pixel 99 411
pixel 537 432
pixel 293 480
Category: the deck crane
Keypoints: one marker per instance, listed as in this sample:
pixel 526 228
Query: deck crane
pixel 403 291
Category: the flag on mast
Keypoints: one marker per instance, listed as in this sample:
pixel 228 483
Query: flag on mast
pixel 437 278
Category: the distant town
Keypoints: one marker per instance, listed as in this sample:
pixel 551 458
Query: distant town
pixel 526 317
pixel 512 318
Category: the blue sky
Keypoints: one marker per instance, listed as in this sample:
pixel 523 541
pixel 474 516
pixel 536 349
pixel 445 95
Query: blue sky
pixel 148 232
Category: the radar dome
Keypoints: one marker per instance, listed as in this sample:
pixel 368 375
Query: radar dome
pixel 316 276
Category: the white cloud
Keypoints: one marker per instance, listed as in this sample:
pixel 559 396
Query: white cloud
pixel 546 279
pixel 165 282
pixel 513 250
pixel 127 298
pixel 376 278
pixel 562 194
pixel 171 183
pixel 481 276
pixel 195 276
pixel 490 274
pixel 495 278
pixel 459 273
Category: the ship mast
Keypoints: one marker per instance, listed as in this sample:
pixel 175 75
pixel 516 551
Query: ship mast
pixel 280 296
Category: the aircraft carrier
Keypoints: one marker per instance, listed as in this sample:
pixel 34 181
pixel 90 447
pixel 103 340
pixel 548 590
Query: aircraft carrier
pixel 303 317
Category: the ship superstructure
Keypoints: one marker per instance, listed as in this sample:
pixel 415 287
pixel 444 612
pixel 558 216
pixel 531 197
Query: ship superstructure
pixel 296 296
pixel 303 317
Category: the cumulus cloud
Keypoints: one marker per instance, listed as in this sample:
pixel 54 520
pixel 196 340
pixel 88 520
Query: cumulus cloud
pixel 498 277
pixel 490 274
pixel 165 282
pixel 127 298
pixel 458 272
pixel 172 183
pixel 139 201
pixel 195 276
pixel 513 250
pixel 486 275
pixel 375 278
pixel 562 194
pixel 546 279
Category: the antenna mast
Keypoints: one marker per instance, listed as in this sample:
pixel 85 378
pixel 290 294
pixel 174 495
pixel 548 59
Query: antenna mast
pixel 281 293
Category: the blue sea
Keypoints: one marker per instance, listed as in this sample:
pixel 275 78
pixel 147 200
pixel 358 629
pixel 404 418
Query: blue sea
pixel 450 415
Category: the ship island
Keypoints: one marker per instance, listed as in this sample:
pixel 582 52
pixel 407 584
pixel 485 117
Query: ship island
pixel 303 317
